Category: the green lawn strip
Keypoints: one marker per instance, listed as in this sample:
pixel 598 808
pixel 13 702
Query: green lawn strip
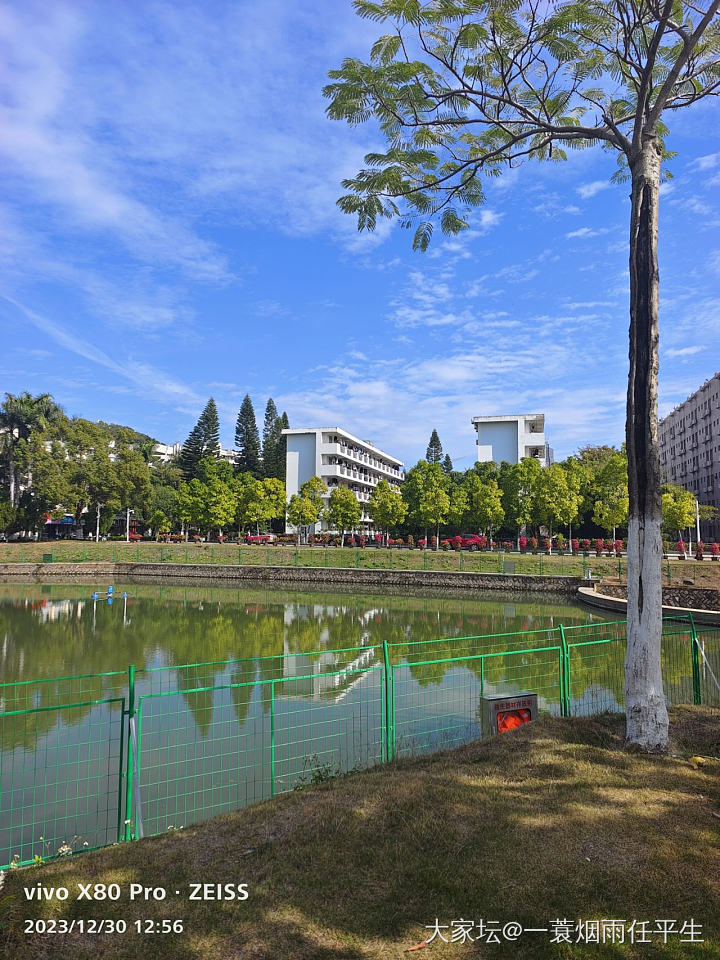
pixel 553 821
pixel 288 555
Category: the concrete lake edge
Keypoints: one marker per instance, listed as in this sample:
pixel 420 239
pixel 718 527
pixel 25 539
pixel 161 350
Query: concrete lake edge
pixel 414 579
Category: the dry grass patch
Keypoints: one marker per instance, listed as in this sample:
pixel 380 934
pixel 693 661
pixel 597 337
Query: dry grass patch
pixel 555 820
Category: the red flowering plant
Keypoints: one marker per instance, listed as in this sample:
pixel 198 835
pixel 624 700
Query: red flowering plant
pixel 586 545
pixel 523 541
pixel 546 544
pixel 575 546
pixel 715 550
pixel 681 547
pixel 619 546
pixel 599 546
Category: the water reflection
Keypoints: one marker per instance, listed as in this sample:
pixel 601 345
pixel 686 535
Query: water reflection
pixel 238 694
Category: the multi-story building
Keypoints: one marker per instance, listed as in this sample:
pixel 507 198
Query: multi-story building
pixel 510 439
pixel 339 459
pixel 690 449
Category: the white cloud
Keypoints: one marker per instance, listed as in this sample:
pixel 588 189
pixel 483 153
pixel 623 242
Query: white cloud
pixel 149 381
pixel 708 162
pixel 683 351
pixel 585 233
pixel 587 190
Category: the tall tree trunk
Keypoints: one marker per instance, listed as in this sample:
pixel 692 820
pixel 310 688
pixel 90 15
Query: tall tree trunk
pixel 646 712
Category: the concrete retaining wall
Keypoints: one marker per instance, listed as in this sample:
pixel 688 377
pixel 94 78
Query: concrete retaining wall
pixel 692 598
pixel 414 580
pixel 618 605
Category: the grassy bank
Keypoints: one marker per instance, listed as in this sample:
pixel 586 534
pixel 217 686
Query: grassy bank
pixel 550 822
pixel 706 573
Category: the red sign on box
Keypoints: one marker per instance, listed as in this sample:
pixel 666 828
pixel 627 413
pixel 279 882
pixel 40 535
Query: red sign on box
pixel 502 713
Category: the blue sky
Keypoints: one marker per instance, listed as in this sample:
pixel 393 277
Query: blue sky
pixel 168 231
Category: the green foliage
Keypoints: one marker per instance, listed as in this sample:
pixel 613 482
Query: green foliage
pixel 434 452
pixel 485 511
pixel 425 492
pixel 611 493
pixel 247 440
pixel 273 443
pixel 302 512
pixel 204 440
pixel 258 501
pixel 555 501
pixel 462 89
pixel 344 511
pixel 678 508
pixel 314 490
pixel 386 506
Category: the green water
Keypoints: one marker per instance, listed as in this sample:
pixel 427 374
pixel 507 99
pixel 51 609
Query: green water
pixel 241 694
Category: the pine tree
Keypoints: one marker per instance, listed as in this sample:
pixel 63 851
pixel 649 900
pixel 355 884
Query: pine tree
pixel 210 424
pixel 284 424
pixel 269 440
pixel 203 440
pixel 447 465
pixel 247 440
pixel 434 453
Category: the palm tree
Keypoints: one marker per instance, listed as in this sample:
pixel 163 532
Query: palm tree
pixel 19 417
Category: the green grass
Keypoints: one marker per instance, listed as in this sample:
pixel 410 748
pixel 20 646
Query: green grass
pixel 284 555
pixel 553 821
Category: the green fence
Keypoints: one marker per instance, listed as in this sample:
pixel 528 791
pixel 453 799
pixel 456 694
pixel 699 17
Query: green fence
pixel 91 760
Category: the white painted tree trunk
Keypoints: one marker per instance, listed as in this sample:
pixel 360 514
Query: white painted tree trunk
pixel 646 711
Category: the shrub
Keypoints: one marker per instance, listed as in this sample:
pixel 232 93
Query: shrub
pixel 681 547
pixel 546 543
pixel 586 545
pixel 507 545
pixel 378 538
pixel 599 546
pixel 311 539
pixel 433 543
pixel 560 540
pixel 362 540
pixel 575 544
pixel 523 544
pixel 410 541
pixel 533 543
pixel 618 546
pixel 715 550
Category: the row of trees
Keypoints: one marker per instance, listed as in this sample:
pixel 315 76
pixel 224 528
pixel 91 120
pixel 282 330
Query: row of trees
pixel 264 459
pixel 54 465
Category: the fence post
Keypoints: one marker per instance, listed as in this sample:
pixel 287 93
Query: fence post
pixel 129 767
pixel 619 569
pixel 564 674
pixel 697 698
pixel 389 705
pixel 541 565
pixel 272 738
pixel 357 559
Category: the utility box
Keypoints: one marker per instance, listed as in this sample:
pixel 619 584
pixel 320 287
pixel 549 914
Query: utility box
pixel 504 712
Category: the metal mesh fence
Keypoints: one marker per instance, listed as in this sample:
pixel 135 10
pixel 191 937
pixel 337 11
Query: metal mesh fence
pixel 219 735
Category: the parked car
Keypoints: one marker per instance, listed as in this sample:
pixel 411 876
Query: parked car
pixel 262 538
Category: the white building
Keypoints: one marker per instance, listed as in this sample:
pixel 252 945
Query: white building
pixel 339 459
pixel 690 449
pixel 165 452
pixel 512 438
